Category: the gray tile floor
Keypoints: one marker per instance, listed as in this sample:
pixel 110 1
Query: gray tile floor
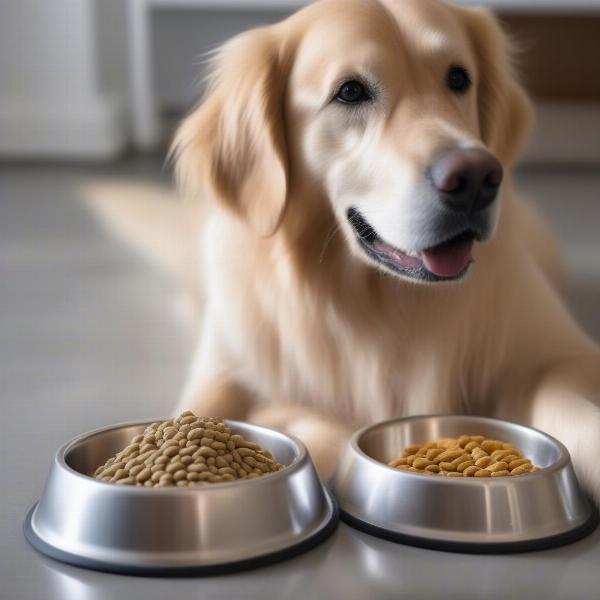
pixel 87 332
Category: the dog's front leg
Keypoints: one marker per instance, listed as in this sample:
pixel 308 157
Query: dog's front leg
pixel 566 404
pixel 219 396
pixel 211 389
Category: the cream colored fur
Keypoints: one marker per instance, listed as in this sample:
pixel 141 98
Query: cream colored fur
pixel 300 329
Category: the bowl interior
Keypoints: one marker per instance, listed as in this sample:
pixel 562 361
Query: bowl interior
pixel 387 440
pixel 88 453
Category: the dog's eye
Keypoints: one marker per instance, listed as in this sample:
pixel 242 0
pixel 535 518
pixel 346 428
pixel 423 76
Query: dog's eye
pixel 352 92
pixel 458 79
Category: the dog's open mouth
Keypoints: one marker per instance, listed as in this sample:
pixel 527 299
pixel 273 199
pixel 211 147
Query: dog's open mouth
pixel 445 261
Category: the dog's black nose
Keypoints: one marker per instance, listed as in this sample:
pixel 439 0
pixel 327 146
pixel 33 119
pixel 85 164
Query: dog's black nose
pixel 467 178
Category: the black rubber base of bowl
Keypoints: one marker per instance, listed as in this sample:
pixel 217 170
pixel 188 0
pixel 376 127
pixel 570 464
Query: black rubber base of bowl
pixel 186 571
pixel 475 548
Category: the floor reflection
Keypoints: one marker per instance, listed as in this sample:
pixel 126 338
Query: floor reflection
pixel 353 565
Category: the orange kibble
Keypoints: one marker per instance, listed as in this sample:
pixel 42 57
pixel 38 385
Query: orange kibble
pixel 464 456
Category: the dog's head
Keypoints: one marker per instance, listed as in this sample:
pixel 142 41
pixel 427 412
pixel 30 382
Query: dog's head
pixel 402 113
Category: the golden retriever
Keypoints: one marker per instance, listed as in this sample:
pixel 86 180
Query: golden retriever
pixel 358 248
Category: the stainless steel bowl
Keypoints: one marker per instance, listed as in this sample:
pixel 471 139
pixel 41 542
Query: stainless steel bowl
pixel 203 530
pixel 505 514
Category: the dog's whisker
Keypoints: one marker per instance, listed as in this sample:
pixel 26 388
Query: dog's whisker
pixel 334 229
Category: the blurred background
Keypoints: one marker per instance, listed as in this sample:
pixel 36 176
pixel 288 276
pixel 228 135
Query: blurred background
pixel 91 89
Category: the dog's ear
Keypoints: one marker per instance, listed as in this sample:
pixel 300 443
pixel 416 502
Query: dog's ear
pixel 505 111
pixel 234 143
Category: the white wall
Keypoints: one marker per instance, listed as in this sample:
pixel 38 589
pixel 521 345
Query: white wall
pixel 64 85
pixel 181 38
pixel 51 101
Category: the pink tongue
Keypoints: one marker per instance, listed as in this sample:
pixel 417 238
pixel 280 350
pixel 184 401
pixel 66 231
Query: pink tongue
pixel 448 260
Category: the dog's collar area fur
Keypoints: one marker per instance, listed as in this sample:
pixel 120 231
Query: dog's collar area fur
pixel 396 260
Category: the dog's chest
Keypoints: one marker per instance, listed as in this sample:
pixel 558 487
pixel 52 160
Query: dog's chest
pixel 361 373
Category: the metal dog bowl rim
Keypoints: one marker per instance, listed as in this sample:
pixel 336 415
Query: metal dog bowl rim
pixel 562 460
pixel 534 544
pixel 326 527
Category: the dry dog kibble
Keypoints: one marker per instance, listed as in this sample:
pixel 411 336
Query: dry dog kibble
pixel 185 452
pixel 465 456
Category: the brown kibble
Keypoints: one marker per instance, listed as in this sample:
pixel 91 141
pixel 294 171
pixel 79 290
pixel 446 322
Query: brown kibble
pixel 478 453
pixel 463 440
pixel 226 470
pixel 433 453
pixel 483 473
pixel 135 470
pixel 171 451
pixel 470 471
pixel 461 459
pixel 449 455
pixel 126 481
pixel 463 465
pixel 499 455
pixel 522 469
pixel 490 445
pixel 197 468
pixel 143 475
pixel 120 474
pixel 169 433
pixel 447 466
pixel 471 446
pixel 498 466
pixel 195 434
pixel 179 475
pixel 156 476
pixel 467 456
pixel 174 466
pixel 207 452
pixel 502 473
pixel 508 459
pixel 187 451
pixel 168 443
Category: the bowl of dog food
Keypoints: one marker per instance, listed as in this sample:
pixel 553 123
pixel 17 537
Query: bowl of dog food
pixel 184 496
pixel 462 483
